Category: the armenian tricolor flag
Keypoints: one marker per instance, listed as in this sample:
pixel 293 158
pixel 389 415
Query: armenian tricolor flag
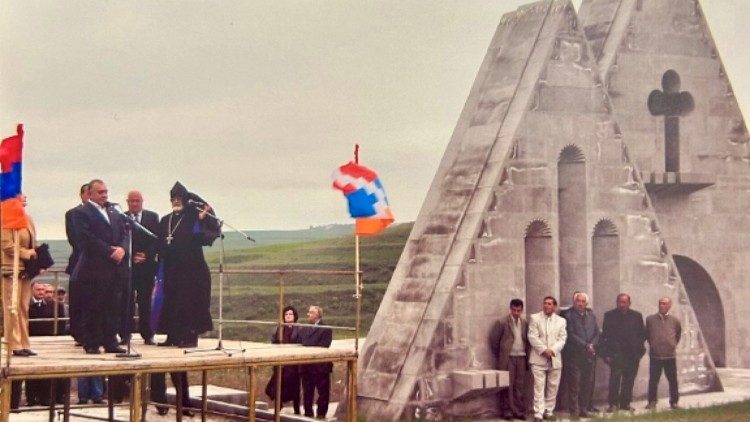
pixel 11 204
pixel 366 197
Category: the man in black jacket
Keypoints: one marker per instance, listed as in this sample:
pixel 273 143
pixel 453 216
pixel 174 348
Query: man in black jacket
pixel 144 269
pixel 316 376
pixel 74 295
pixel 623 334
pixel 100 270
pixel 38 391
pixel 579 355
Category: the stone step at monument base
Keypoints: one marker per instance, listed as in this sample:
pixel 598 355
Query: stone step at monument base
pixel 481 381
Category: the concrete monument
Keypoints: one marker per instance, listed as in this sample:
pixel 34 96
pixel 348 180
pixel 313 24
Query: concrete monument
pixel 678 115
pixel 537 194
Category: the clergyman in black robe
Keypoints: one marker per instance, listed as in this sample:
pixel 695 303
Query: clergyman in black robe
pixel 187 280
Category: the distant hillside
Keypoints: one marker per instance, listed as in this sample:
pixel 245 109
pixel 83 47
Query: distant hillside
pixel 255 296
pixel 60 249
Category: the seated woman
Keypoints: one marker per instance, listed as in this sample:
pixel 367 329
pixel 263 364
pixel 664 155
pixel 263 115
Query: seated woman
pixel 290 381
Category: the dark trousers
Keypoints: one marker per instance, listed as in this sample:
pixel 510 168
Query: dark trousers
pixel 312 381
pixel 140 294
pixel 75 310
pixel 101 303
pixel 15 394
pixel 581 384
pixel 622 372
pixel 513 399
pixel 670 371
pixel 159 387
pixel 38 391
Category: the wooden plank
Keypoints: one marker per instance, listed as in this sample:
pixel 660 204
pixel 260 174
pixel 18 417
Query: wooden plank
pixel 59 358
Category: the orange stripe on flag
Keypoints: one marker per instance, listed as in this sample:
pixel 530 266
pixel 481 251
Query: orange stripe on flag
pixel 373 225
pixel 13 215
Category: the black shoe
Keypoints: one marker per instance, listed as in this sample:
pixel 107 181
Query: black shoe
pixel 30 352
pixel 627 408
pixel 584 414
pixel 149 341
pixel 114 349
pixel 548 416
pixel 674 406
pixel 22 353
pixel 593 409
pixel 187 412
pixel 97 401
pixel 611 409
pixel 162 410
pixel 92 350
pixel 123 342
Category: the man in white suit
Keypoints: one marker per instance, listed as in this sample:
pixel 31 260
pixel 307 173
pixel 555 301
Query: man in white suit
pixel 547 336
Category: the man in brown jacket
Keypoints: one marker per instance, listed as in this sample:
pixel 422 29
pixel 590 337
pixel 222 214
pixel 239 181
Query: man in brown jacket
pixel 510 346
pixel 663 332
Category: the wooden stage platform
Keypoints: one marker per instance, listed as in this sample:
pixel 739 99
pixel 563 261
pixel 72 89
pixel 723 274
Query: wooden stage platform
pixel 59 358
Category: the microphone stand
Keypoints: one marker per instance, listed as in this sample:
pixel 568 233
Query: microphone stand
pixel 220 345
pixel 129 223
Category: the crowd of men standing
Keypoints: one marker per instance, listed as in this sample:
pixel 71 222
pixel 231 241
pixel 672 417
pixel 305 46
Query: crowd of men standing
pixel 561 350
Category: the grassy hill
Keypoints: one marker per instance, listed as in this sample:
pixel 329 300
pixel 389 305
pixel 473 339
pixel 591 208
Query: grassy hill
pixel 254 296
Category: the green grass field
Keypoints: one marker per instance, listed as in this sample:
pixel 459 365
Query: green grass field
pixel 256 296
pixel 723 413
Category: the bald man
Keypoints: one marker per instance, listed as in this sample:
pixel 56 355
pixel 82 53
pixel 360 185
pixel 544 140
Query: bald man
pixel 663 333
pixel 144 269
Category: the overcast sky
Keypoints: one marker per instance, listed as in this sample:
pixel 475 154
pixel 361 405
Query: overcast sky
pixel 252 104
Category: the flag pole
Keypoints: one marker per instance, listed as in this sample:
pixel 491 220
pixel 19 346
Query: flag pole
pixel 357 274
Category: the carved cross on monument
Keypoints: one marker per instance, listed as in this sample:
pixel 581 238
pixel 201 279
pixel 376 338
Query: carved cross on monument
pixel 672 104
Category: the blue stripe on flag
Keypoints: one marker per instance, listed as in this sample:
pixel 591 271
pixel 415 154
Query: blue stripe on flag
pixel 10 183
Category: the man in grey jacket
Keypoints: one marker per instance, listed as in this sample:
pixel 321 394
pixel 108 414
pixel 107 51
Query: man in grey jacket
pixel 663 332
pixel 510 346
pixel 579 355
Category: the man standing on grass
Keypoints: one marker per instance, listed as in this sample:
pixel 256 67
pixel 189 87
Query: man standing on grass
pixel 623 334
pixel 663 332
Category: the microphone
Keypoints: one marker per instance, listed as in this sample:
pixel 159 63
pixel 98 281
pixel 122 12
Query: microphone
pixel 196 203
pixel 111 204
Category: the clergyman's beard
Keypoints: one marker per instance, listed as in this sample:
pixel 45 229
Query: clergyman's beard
pixel 177 208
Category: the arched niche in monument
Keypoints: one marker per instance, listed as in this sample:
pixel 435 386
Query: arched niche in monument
pixel 605 267
pixel 706 302
pixel 571 183
pixel 539 265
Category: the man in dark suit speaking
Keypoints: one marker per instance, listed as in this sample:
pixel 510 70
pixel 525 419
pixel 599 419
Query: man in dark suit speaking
pixel 144 269
pixel 316 376
pixel 101 269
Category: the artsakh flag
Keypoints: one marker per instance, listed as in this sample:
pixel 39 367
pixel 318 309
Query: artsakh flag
pixel 11 205
pixel 366 197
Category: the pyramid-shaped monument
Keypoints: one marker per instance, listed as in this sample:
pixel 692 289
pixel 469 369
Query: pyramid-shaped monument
pixel 536 195
pixel 679 116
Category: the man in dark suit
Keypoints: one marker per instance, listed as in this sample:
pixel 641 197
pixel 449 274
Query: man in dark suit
pixel 144 269
pixel 316 376
pixel 74 306
pixel 38 391
pixel 623 334
pixel 510 344
pixel 100 270
pixel 579 355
